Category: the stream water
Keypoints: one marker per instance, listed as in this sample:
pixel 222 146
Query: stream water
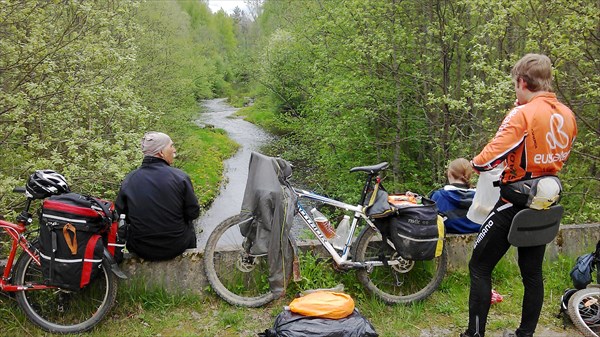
pixel 250 137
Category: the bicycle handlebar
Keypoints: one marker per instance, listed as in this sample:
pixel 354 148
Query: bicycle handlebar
pixel 19 190
pixel 25 216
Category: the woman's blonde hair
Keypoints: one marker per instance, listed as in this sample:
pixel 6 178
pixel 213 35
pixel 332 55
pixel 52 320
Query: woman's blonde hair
pixel 461 169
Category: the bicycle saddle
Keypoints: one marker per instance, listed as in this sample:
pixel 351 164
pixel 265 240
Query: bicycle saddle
pixel 532 227
pixel 371 169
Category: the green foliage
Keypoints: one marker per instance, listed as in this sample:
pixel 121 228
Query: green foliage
pixel 181 56
pixel 167 71
pixel 265 116
pixel 82 82
pixel 418 84
pixel 65 101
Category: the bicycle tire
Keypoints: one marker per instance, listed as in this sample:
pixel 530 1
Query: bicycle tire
pixel 410 281
pixel 61 311
pixel 584 310
pixel 236 276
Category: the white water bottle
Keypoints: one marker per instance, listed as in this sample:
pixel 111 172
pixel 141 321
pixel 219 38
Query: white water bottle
pixel 341 233
pixel 121 220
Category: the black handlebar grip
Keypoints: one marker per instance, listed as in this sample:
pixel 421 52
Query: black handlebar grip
pixel 19 189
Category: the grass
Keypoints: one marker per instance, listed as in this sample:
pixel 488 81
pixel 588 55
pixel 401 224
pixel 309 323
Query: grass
pixel 143 311
pixel 262 114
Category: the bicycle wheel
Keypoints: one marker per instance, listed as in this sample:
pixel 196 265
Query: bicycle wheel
pixel 236 276
pixel 405 282
pixel 584 310
pixel 62 311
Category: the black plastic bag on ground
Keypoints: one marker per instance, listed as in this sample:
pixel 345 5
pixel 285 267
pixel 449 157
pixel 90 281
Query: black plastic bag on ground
pixel 289 324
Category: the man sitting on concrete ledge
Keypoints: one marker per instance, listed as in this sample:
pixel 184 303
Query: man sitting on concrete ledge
pixel 159 203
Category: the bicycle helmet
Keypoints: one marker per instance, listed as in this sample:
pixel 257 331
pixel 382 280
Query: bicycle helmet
pixel 44 183
pixel 564 299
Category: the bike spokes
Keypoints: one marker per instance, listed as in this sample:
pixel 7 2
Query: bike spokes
pixel 63 311
pixel 398 280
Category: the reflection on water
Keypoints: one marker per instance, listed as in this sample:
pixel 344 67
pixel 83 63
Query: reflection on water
pixel 251 138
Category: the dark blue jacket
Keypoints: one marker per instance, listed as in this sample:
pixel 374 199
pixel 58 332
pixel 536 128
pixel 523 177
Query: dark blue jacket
pixel 160 205
pixel 454 202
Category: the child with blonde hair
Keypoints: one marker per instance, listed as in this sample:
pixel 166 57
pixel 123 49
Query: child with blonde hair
pixel 455 198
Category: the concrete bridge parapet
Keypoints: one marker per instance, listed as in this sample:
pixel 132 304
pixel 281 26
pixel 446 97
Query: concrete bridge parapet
pixel 185 273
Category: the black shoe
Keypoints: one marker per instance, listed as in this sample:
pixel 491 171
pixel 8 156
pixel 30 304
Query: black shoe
pixel 466 334
pixel 516 334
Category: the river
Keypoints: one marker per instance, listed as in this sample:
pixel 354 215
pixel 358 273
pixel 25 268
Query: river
pixel 250 137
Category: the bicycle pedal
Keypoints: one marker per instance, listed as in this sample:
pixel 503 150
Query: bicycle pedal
pixel 341 269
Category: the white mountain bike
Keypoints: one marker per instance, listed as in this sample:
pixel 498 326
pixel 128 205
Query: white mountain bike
pixel 242 279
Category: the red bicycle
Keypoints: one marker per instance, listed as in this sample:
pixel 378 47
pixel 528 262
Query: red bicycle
pixel 52 309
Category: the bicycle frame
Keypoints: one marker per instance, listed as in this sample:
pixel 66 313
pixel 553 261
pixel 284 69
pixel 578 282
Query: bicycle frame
pixel 343 259
pixel 16 232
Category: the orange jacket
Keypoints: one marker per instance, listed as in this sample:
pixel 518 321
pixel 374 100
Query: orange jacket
pixel 534 140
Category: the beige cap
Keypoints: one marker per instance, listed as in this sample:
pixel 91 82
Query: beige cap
pixel 153 142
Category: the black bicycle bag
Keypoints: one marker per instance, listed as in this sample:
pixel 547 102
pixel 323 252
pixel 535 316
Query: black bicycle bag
pixel 411 222
pixel 71 243
pixel 417 231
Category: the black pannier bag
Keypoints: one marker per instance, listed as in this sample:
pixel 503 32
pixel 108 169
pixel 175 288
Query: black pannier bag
pixel 71 244
pixel 417 231
pixel 414 227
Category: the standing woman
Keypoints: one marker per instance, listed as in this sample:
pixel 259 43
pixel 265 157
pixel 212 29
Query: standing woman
pixel 533 142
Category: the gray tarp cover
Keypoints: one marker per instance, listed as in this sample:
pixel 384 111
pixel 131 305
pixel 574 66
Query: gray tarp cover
pixel 270 202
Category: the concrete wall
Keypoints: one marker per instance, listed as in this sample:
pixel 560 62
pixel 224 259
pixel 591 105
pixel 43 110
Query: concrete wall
pixel 572 241
pixel 186 272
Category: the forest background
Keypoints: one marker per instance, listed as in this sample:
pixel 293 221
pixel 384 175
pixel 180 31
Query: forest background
pixel 343 83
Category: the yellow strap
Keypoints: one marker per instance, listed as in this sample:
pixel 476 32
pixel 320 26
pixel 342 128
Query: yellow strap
pixel 441 234
pixel 72 243
pixel 373 195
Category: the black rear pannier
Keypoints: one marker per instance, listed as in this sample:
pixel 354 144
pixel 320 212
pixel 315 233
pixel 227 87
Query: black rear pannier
pixel 71 245
pixel 417 231
pixel 412 224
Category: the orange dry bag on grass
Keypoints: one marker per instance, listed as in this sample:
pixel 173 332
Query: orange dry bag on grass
pixel 326 304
